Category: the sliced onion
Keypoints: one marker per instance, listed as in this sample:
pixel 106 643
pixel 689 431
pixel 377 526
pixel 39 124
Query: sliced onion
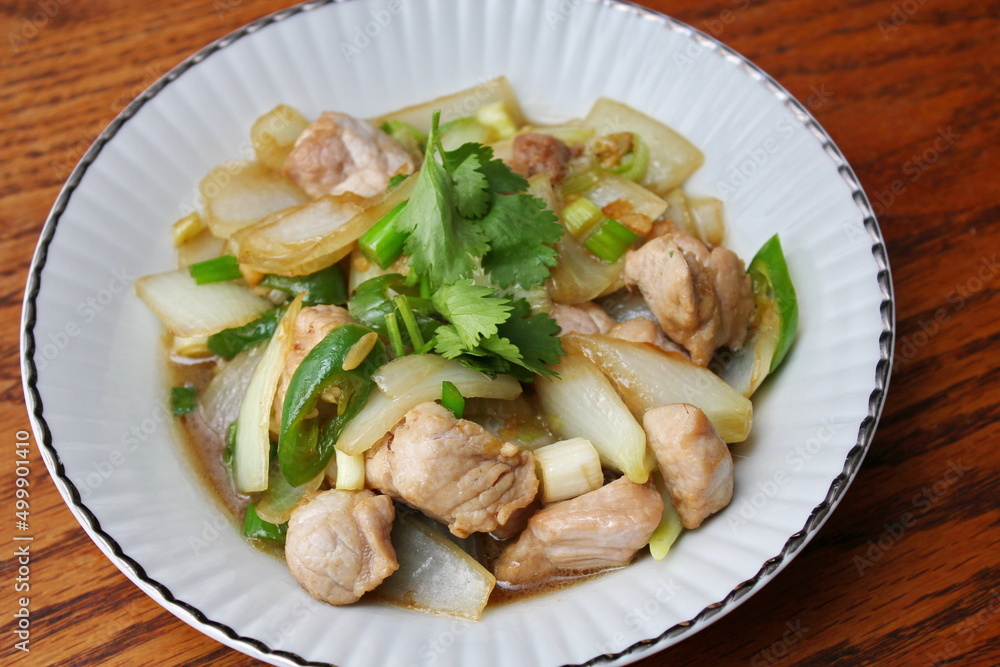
pixel 459 105
pixel 308 238
pixel 276 505
pixel 407 382
pixel 435 574
pixel 746 368
pixel 709 219
pixel 672 158
pixel 238 194
pixel 219 405
pixel 625 305
pixel 189 310
pixel 630 196
pixel 198 249
pixel 273 136
pixel 579 276
pixel 251 457
pixel 647 378
pixel 583 404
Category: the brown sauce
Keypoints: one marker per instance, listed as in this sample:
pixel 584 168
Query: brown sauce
pixel 517 422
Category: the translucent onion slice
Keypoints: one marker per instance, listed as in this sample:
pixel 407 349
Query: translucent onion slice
pixel 746 368
pixel 251 457
pixel 459 105
pixel 407 382
pixel 237 194
pixel 219 405
pixel 709 219
pixel 580 276
pixel 435 575
pixel 277 503
pixel 648 377
pixel 672 158
pixel 189 310
pixel 273 136
pixel 582 403
pixel 305 239
pixel 629 197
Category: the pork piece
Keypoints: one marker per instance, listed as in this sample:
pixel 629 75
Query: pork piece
pixel 583 318
pixel 540 154
pixel 338 546
pixel 600 529
pixel 695 462
pixel 311 326
pixel 337 154
pixel 702 299
pixel 642 330
pixel 453 470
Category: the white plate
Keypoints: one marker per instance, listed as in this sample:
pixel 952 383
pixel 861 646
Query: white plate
pixel 94 379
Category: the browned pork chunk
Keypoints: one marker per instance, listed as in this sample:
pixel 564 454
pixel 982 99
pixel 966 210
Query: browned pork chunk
pixel 338 154
pixel 703 299
pixel 600 529
pixel 338 546
pixel 453 470
pixel 641 330
pixel 540 154
pixel 695 462
pixel 583 318
pixel 311 326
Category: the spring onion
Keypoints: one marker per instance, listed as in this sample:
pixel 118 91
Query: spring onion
pixel 183 400
pixel 497 117
pixel 410 321
pixel 409 137
pixel 187 228
pixel 452 399
pixel 394 334
pixel 304 448
pixel 230 448
pixel 580 216
pixel 609 240
pixel 215 270
pixel 258 529
pixel 397 180
pixel 581 180
pixel 350 471
pixel 669 528
pixel 323 286
pixel 633 166
pixel 374 300
pixel 230 342
pixel 567 469
pixel 383 243
pixel 193 347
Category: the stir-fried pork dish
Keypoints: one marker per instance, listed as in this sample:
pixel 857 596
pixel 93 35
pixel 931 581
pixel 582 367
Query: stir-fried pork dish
pixel 448 352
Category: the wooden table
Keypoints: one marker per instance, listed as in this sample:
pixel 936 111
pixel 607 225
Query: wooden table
pixel 905 572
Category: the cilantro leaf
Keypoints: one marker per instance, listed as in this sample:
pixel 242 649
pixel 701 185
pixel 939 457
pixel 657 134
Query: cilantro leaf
pixel 520 229
pixel 472 310
pixel 535 336
pixel 441 245
pixel 471 188
pixel 500 177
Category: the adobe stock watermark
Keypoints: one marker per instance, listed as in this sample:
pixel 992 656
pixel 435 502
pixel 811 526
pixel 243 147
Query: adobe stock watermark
pixel 967 631
pixel 714 27
pixel 643 617
pixel 561 13
pixel 28 26
pixel 87 310
pixel 921 503
pixel 768 489
pixel 909 345
pixel 793 634
pixel 901 14
pixel 914 168
pixel 104 467
pixel 363 35
pixel 744 170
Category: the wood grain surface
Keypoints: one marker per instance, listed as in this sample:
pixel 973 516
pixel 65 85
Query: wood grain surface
pixel 905 572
